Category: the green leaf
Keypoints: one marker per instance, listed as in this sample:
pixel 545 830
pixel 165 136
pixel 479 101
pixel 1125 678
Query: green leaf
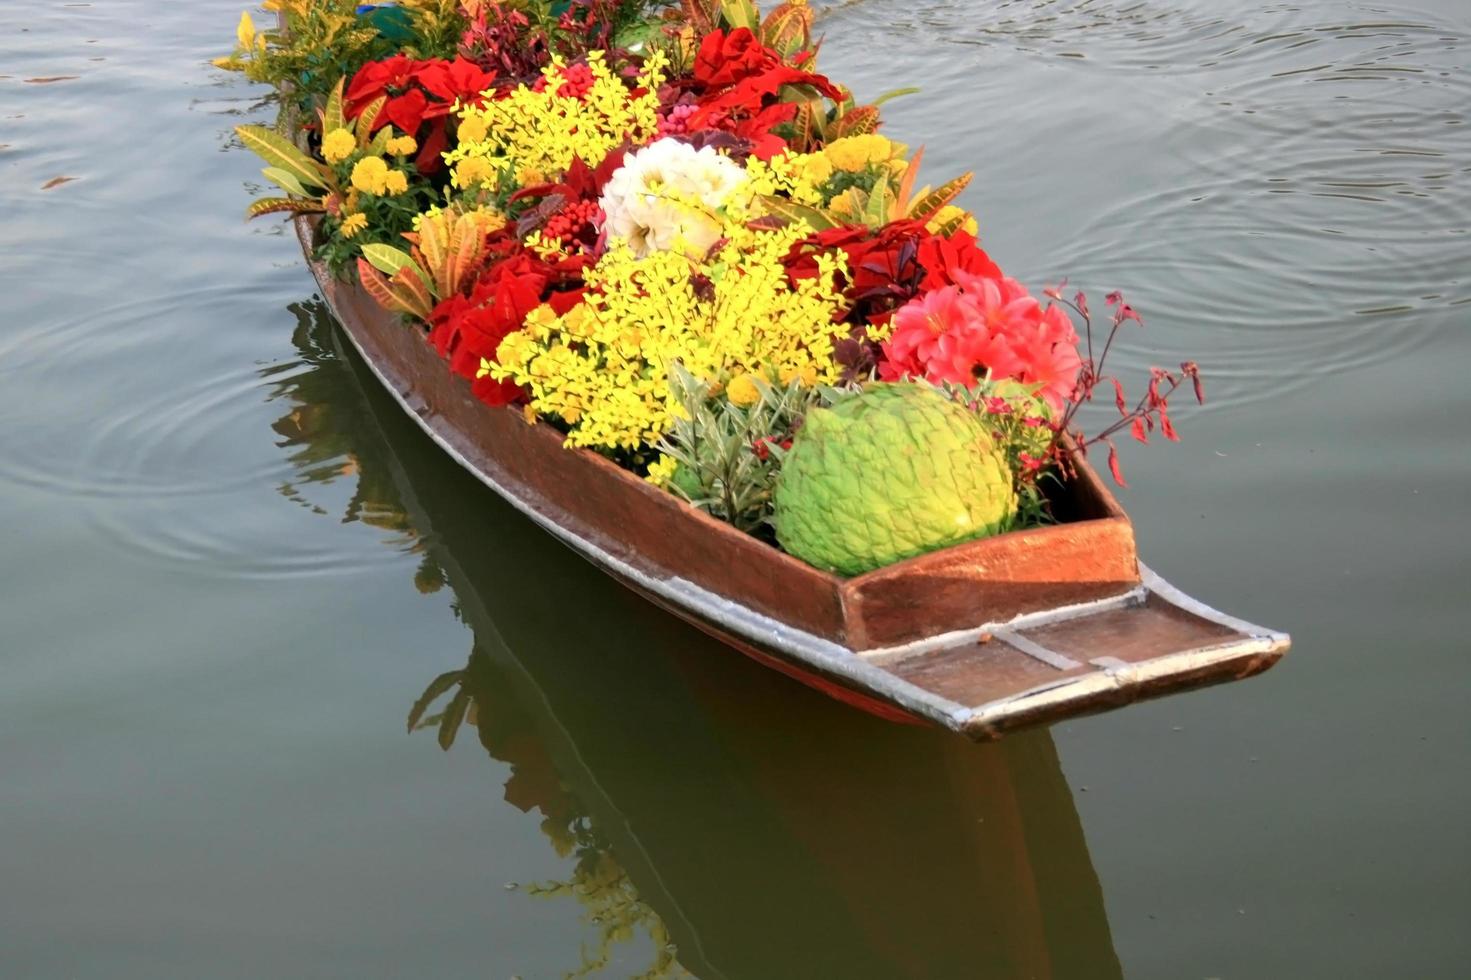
pixel 332 117
pixel 387 259
pixel 367 117
pixel 880 201
pixel 276 150
pixel 285 180
pixel 894 93
pixel 436 687
pixel 454 716
pixel 791 211
pixel 741 13
pixel 925 208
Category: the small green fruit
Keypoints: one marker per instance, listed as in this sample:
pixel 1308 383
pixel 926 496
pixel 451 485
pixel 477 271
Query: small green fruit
pixel 896 471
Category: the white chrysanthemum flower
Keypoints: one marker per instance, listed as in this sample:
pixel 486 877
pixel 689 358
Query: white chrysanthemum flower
pixel 668 196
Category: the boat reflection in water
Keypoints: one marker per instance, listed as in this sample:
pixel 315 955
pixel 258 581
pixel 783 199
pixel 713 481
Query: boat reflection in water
pixel 745 825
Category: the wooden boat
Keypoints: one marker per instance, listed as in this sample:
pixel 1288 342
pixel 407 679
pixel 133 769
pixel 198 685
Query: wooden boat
pixel 632 734
pixel 981 638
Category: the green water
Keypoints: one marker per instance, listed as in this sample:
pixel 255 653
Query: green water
pixel 229 568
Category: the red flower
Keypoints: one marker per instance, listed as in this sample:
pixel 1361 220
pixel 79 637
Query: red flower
pixel 469 329
pixel 984 326
pixel 942 258
pixel 737 82
pixel 417 92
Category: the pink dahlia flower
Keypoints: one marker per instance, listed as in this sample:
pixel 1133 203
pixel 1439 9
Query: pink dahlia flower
pixel 984 325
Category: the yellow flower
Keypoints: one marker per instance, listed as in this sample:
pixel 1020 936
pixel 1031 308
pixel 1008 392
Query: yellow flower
pixel 854 153
pixel 396 182
pixel 402 146
pixel 661 471
pixel 743 390
pixel 338 145
pixel 353 224
pixel 849 204
pixel 815 168
pixel 603 366
pixel 370 175
pixel 473 129
pixel 807 373
pixel 471 171
pixel 535 135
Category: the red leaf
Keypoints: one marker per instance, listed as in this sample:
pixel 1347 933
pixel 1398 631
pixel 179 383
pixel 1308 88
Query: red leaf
pixel 1113 465
pixel 1138 430
pixel 1118 396
pixel 1167 427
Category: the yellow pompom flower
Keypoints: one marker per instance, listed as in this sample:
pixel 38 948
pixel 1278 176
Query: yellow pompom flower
pixel 471 171
pixel 370 175
pixel 854 153
pixel 743 390
pixel 396 182
pixel 353 224
pixel 402 146
pixel 849 204
pixel 338 145
pixel 473 129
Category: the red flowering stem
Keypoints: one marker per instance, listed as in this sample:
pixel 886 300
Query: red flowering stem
pixel 1154 404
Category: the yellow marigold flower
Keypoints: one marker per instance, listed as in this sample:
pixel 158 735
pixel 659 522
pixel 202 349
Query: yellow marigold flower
pixel 396 182
pixel 370 175
pixel 471 171
pixel 338 145
pixel 743 390
pixel 849 204
pixel 353 224
pixel 854 153
pixel 402 146
pixel 472 129
pixel 661 471
pixel 814 168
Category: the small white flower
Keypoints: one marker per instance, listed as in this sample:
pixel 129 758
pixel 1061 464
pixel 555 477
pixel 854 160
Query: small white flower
pixel 668 195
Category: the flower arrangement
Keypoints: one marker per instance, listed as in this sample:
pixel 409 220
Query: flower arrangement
pixel 661 230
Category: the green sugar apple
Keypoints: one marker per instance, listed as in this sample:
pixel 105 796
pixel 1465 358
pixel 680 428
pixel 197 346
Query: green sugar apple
pixel 893 472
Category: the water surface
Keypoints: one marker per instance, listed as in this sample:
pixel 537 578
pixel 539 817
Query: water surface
pixel 230 569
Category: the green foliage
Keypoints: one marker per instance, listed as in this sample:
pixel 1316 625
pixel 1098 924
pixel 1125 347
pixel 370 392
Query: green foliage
pixel 1023 427
pixel 320 41
pixel 728 456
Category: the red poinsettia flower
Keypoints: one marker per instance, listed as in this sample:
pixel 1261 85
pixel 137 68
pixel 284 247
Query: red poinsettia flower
pixel 737 81
pixel 468 329
pixel 417 93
